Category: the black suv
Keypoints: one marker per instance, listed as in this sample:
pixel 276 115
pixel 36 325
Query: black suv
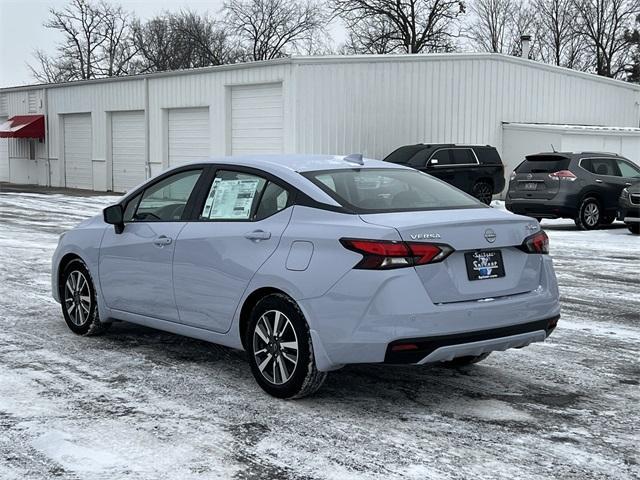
pixel 475 169
pixel 583 186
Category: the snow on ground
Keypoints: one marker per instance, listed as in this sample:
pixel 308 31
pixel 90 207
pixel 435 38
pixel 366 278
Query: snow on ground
pixel 138 403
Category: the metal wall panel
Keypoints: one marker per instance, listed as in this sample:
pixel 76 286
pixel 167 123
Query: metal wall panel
pixel 353 105
pixel 256 119
pixel 188 135
pixel 127 150
pixel 77 150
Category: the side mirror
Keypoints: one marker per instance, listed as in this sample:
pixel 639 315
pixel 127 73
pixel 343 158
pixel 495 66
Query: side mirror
pixel 114 215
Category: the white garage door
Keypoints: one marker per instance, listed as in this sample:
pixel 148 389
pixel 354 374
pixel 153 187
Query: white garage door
pixel 127 150
pixel 188 135
pixel 256 119
pixel 4 157
pixel 77 151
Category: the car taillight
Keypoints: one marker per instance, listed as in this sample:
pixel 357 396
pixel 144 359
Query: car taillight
pixel 536 243
pixel 386 254
pixel 563 175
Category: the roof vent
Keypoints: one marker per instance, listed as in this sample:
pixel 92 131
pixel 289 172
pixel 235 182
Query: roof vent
pixel 354 158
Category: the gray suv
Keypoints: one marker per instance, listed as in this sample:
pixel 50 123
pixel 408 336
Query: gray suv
pixel 583 186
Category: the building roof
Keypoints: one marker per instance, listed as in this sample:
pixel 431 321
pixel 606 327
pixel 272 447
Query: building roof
pixel 339 59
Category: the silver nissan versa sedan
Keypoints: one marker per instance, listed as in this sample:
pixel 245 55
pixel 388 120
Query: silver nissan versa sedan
pixel 309 263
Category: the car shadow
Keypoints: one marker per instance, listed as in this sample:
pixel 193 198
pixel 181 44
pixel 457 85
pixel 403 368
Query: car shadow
pixel 375 389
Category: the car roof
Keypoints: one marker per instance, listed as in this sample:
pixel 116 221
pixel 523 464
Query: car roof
pixel 298 163
pixel 574 155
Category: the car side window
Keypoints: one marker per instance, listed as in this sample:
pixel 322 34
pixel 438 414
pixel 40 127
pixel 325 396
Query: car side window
pixel 233 196
pixel 628 170
pixel 601 166
pixel 166 200
pixel 463 156
pixel 441 157
pixel 274 198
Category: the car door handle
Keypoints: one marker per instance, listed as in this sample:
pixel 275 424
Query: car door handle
pixel 628 184
pixel 162 240
pixel 258 235
pixel 598 180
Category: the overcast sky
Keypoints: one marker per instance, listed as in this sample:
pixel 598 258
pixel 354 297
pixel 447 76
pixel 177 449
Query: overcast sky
pixel 21 30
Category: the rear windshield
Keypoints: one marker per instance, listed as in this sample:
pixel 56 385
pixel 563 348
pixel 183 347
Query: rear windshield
pixel 543 164
pixel 378 190
pixel 403 154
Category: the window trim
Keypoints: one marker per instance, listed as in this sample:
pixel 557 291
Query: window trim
pixel 453 165
pixel 599 174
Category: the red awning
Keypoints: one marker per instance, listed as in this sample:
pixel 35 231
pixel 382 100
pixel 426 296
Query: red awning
pixel 23 126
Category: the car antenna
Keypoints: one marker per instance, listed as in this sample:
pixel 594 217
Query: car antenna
pixel 553 148
pixel 354 158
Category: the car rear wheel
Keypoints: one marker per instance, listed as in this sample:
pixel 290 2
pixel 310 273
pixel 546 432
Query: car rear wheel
pixel 78 299
pixel 280 350
pixel 462 361
pixel 483 192
pixel 634 228
pixel 589 214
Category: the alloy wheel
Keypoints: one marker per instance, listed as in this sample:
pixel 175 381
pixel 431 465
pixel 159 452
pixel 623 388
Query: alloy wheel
pixel 591 214
pixel 483 193
pixel 77 298
pixel 275 347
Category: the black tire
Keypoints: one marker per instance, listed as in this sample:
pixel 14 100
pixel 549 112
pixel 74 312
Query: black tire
pixel 463 361
pixel 589 214
pixel 80 311
pixel 634 228
pixel 267 358
pixel 483 191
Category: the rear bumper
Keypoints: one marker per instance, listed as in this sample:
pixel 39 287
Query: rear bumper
pixel 447 347
pixel 541 208
pixel 356 322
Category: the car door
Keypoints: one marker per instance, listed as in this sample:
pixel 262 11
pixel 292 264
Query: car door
pixel 136 265
pixel 440 164
pixel 240 224
pixel 466 169
pixel 608 180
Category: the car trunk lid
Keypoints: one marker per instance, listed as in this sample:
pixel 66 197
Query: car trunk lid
pixel 469 231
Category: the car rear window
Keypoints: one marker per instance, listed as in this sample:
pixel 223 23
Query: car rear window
pixel 543 164
pixel 379 190
pixel 402 155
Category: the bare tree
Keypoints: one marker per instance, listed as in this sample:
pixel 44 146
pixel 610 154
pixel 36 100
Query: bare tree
pixel 492 27
pixel 273 28
pixel 633 71
pixel 410 26
pixel 604 27
pixel 182 40
pixel 558 42
pixel 497 25
pixel 96 42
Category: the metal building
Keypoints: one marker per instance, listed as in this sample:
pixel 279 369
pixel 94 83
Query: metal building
pixel 110 134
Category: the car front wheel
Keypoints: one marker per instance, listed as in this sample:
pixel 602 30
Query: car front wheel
pixel 589 214
pixel 634 228
pixel 78 299
pixel 280 350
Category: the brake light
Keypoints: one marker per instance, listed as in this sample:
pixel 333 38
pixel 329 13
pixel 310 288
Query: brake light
pixel 386 254
pixel 536 243
pixel 563 175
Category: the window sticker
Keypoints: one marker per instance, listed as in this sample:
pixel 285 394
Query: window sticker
pixel 231 199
